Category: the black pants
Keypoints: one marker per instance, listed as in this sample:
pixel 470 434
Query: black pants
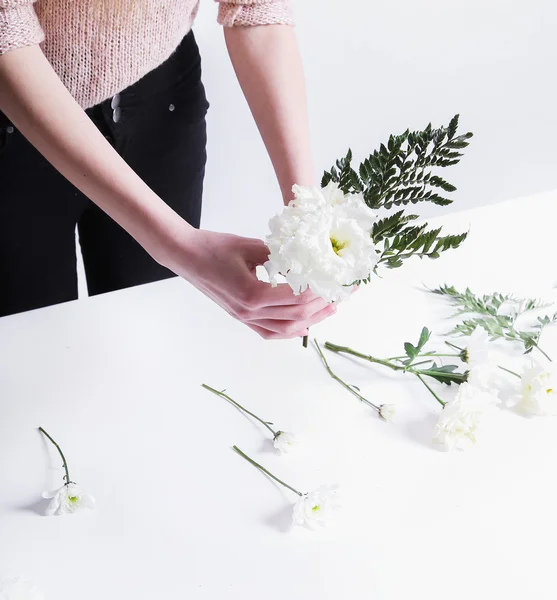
pixel 159 130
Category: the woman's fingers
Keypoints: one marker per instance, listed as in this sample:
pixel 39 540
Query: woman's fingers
pixel 293 328
pixel 262 294
pixel 290 312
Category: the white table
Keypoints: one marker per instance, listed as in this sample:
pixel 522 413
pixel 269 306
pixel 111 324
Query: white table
pixel 116 380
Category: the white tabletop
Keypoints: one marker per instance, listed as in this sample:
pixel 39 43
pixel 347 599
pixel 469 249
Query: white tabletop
pixel 116 380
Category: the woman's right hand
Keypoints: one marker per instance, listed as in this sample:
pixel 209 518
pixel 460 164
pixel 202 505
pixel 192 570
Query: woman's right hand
pixel 222 266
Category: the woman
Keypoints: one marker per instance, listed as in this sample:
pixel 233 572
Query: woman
pixel 103 127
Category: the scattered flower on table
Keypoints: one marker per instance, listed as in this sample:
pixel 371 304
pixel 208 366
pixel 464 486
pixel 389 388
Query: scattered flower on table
pixel 282 441
pixel 460 418
pixel 19 589
pixel 311 508
pixel 70 497
pixel 285 442
pixel 538 390
pixel 315 508
pixel 387 411
pixel 477 351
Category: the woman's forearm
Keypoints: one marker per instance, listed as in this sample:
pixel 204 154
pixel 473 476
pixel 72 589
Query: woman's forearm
pixel 35 100
pixel 268 66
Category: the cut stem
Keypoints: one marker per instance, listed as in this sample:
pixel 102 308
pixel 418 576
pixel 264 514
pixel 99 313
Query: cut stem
pixel 264 470
pixel 64 462
pixel 546 355
pixel 441 402
pixel 509 371
pixel 305 341
pixel 238 405
pixel 434 355
pixel 343 383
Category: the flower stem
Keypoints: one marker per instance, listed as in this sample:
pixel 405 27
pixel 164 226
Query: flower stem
pixel 509 371
pixel 305 341
pixel 237 405
pixel 264 470
pixel 346 350
pixel 65 464
pixel 424 356
pixel 343 383
pixel 546 355
pixel 454 346
pixel 441 402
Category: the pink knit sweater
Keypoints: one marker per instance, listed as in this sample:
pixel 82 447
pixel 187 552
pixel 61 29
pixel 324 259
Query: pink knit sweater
pixel 99 47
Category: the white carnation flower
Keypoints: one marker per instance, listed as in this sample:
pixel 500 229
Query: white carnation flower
pixel 68 499
pixel 460 418
pixel 19 589
pixel 322 240
pixel 538 393
pixel 387 411
pixel 315 508
pixel 285 442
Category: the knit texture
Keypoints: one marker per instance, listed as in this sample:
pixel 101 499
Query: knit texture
pixel 100 47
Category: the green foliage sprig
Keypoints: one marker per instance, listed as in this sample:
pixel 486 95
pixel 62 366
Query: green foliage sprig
pixel 401 173
pixel 426 366
pixel 485 309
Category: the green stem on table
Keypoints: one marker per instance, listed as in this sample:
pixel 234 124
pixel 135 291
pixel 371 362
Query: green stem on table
pixel 65 463
pixel 544 353
pixel 424 356
pixel 454 346
pixel 347 350
pixel 509 371
pixel 441 402
pixel 264 470
pixel 343 383
pixel 417 372
pixel 305 341
pixel 238 405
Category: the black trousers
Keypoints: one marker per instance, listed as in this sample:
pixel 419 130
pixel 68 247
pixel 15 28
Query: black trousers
pixel 158 127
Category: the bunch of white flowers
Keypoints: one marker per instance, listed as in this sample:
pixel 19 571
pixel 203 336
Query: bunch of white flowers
pixel 322 240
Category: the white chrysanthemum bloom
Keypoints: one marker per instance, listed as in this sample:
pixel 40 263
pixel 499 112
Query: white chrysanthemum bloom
pixel 285 442
pixel 68 499
pixel 315 508
pixel 460 418
pixel 483 373
pixel 477 349
pixel 19 589
pixel 538 391
pixel 387 411
pixel 322 240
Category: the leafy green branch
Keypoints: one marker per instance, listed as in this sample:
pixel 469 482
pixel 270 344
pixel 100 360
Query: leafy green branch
pixel 401 173
pixel 486 310
pixel 406 363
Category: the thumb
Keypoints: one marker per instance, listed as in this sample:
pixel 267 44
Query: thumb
pixel 256 253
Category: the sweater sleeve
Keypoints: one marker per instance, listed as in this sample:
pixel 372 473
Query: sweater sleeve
pixel 254 12
pixel 19 25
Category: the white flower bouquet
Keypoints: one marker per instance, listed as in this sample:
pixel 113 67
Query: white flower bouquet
pixel 331 238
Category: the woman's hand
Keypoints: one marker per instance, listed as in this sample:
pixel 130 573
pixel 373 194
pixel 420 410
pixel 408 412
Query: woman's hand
pixel 223 267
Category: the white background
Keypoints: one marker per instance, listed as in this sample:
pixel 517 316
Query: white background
pixel 376 67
